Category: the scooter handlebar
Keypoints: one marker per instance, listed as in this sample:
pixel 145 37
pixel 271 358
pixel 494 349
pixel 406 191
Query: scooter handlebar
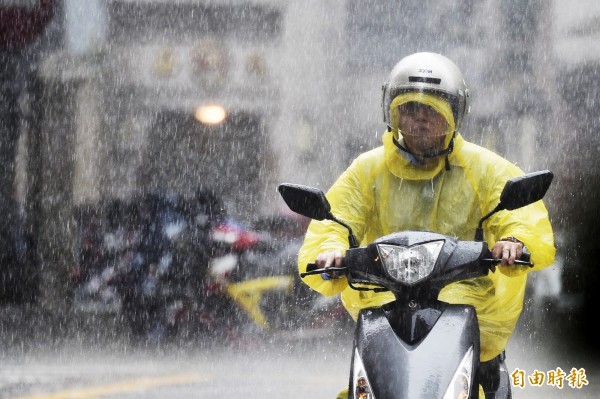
pixel 327 273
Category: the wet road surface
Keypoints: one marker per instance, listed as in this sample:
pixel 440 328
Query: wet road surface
pixel 286 368
pixel 314 367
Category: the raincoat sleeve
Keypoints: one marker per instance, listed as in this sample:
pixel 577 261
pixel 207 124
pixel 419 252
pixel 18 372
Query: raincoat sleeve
pixel 530 224
pixel 349 204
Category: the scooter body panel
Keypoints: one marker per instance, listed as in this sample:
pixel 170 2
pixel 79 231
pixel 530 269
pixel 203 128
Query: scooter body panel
pixel 396 369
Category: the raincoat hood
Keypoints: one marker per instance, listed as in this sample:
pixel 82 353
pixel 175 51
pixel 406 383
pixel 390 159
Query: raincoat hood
pixel 403 164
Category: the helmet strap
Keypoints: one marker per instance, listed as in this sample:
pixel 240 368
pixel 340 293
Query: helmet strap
pixel 446 151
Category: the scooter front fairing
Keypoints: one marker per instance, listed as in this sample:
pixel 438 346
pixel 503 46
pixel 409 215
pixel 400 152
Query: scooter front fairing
pixel 444 358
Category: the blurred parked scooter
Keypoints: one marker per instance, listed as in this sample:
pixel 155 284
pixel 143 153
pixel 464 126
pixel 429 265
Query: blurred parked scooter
pixel 182 269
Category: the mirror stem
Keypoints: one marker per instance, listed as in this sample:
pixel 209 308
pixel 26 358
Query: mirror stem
pixel 352 241
pixel 479 231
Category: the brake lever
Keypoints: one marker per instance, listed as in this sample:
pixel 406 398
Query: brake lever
pixel 311 269
pixel 494 261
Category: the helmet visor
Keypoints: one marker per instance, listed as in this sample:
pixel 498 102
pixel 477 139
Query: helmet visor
pixel 434 103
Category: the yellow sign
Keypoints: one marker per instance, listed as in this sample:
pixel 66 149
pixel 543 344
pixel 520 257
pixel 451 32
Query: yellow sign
pixel 164 64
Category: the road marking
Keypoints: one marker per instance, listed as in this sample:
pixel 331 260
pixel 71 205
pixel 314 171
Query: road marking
pixel 121 387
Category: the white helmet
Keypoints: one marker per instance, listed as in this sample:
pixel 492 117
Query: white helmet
pixel 429 73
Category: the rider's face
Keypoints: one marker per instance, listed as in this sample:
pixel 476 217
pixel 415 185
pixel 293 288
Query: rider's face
pixel 423 128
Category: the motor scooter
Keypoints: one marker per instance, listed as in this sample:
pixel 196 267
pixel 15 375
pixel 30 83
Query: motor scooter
pixel 417 346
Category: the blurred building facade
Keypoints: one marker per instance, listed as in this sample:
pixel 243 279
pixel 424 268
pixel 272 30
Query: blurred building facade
pixel 142 79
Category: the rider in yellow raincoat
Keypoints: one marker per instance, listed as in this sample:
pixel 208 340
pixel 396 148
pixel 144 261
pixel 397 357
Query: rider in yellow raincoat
pixel 447 190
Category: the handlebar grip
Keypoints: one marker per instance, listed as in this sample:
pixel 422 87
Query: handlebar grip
pixel 311 266
pixel 524 260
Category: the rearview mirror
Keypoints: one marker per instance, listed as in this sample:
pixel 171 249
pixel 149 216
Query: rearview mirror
pixel 306 201
pixel 312 203
pixel 524 190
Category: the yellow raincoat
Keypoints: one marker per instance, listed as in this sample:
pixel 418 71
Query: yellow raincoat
pixel 382 192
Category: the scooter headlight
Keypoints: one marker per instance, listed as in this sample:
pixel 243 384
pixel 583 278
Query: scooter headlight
pixel 361 387
pixel 410 265
pixel 460 385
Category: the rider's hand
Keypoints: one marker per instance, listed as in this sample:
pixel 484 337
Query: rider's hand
pixel 507 251
pixel 329 259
